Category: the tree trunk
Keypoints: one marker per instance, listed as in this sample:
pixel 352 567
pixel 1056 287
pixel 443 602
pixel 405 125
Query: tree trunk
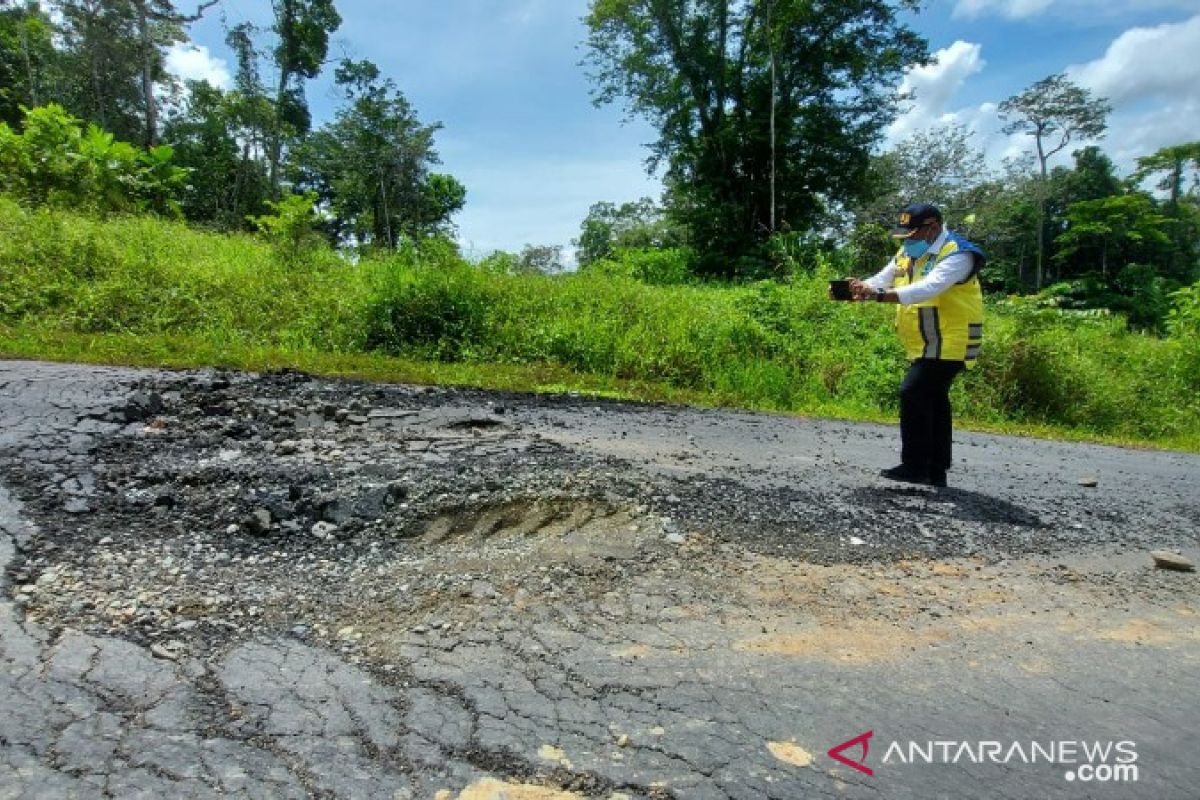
pixel 147 48
pixel 1041 225
pixel 286 23
pixel 98 104
pixel 771 46
pixel 34 95
pixel 387 217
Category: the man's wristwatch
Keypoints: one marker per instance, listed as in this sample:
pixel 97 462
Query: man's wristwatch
pixel 879 293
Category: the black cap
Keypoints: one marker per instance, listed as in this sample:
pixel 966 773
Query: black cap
pixel 913 217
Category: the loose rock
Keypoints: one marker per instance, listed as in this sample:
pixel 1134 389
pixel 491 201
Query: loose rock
pixel 1165 559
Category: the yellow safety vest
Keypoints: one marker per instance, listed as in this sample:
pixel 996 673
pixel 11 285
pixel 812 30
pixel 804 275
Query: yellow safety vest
pixel 948 327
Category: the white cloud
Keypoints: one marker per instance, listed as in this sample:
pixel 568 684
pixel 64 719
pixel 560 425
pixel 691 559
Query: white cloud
pixel 1141 62
pixel 933 87
pixel 1132 135
pixel 1151 76
pixel 192 62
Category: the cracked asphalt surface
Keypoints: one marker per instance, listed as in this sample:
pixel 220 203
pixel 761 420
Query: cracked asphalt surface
pixel 216 584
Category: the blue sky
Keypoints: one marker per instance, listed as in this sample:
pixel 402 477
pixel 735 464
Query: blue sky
pixel 520 131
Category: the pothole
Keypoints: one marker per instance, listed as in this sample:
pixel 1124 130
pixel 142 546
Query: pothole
pixel 558 529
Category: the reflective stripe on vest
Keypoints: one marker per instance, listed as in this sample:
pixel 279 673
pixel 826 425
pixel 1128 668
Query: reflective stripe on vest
pixel 949 326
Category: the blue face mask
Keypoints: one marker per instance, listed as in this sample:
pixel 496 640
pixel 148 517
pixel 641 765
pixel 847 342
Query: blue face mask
pixel 915 248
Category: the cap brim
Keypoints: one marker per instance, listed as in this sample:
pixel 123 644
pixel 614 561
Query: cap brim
pixel 903 233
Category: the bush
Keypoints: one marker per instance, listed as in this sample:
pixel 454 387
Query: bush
pixel 143 275
pixel 661 266
pixel 56 162
pixel 1183 321
pixel 436 310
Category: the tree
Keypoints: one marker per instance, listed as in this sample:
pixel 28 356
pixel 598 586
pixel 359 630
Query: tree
pixel 228 182
pixel 28 60
pixel 1127 228
pixel 609 228
pixel 370 166
pixel 102 63
pixel 540 259
pixel 159 25
pixel 1002 221
pixel 303 28
pixel 938 165
pixel 1172 165
pixel 1093 177
pixel 1055 112
pixel 716 77
pixel 253 113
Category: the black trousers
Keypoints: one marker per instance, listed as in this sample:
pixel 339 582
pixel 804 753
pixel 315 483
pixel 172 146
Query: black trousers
pixel 925 419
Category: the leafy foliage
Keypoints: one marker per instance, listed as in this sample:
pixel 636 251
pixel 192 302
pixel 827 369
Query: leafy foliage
pixel 609 228
pixel 56 161
pixel 1055 112
pixel 371 166
pixel 214 141
pixel 291 229
pixel 765 112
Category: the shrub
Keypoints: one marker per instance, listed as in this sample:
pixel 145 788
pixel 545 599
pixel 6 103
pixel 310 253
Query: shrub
pixel 436 310
pixel 56 162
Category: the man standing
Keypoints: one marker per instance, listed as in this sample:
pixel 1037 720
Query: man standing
pixel 935 279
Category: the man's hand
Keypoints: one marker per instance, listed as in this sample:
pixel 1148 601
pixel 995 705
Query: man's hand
pixel 861 291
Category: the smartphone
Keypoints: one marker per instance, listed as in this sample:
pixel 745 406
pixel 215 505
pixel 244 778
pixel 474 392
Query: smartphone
pixel 840 289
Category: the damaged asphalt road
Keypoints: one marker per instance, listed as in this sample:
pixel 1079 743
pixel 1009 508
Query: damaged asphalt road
pixel 216 584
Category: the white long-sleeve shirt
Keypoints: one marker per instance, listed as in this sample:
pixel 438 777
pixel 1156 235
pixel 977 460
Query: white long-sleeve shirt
pixel 951 270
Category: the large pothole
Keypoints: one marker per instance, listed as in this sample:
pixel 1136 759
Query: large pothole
pixel 187 591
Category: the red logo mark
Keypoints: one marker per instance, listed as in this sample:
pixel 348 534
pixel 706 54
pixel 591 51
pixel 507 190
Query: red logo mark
pixel 861 765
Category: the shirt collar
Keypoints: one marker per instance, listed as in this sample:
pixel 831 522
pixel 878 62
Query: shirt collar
pixel 939 242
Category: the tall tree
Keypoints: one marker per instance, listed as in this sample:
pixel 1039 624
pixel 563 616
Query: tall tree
pixel 370 166
pixel 1002 219
pixel 159 25
pixel 28 59
pixel 1093 178
pixel 1121 229
pixel 716 77
pixel 228 182
pixel 253 113
pixel 609 228
pixel 103 62
pixel 303 28
pixel 1172 165
pixel 1055 112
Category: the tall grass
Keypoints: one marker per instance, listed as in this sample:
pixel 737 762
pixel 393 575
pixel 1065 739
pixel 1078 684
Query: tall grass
pixel 767 345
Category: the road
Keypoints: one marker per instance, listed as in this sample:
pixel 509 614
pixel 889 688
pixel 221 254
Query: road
pixel 216 584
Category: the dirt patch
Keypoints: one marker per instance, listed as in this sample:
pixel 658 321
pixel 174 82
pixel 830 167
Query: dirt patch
pixel 790 753
pixel 492 789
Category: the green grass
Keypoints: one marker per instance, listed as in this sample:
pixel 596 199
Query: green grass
pixel 147 292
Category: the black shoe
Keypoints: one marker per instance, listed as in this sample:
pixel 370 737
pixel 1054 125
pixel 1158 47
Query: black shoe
pixel 937 477
pixel 907 473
